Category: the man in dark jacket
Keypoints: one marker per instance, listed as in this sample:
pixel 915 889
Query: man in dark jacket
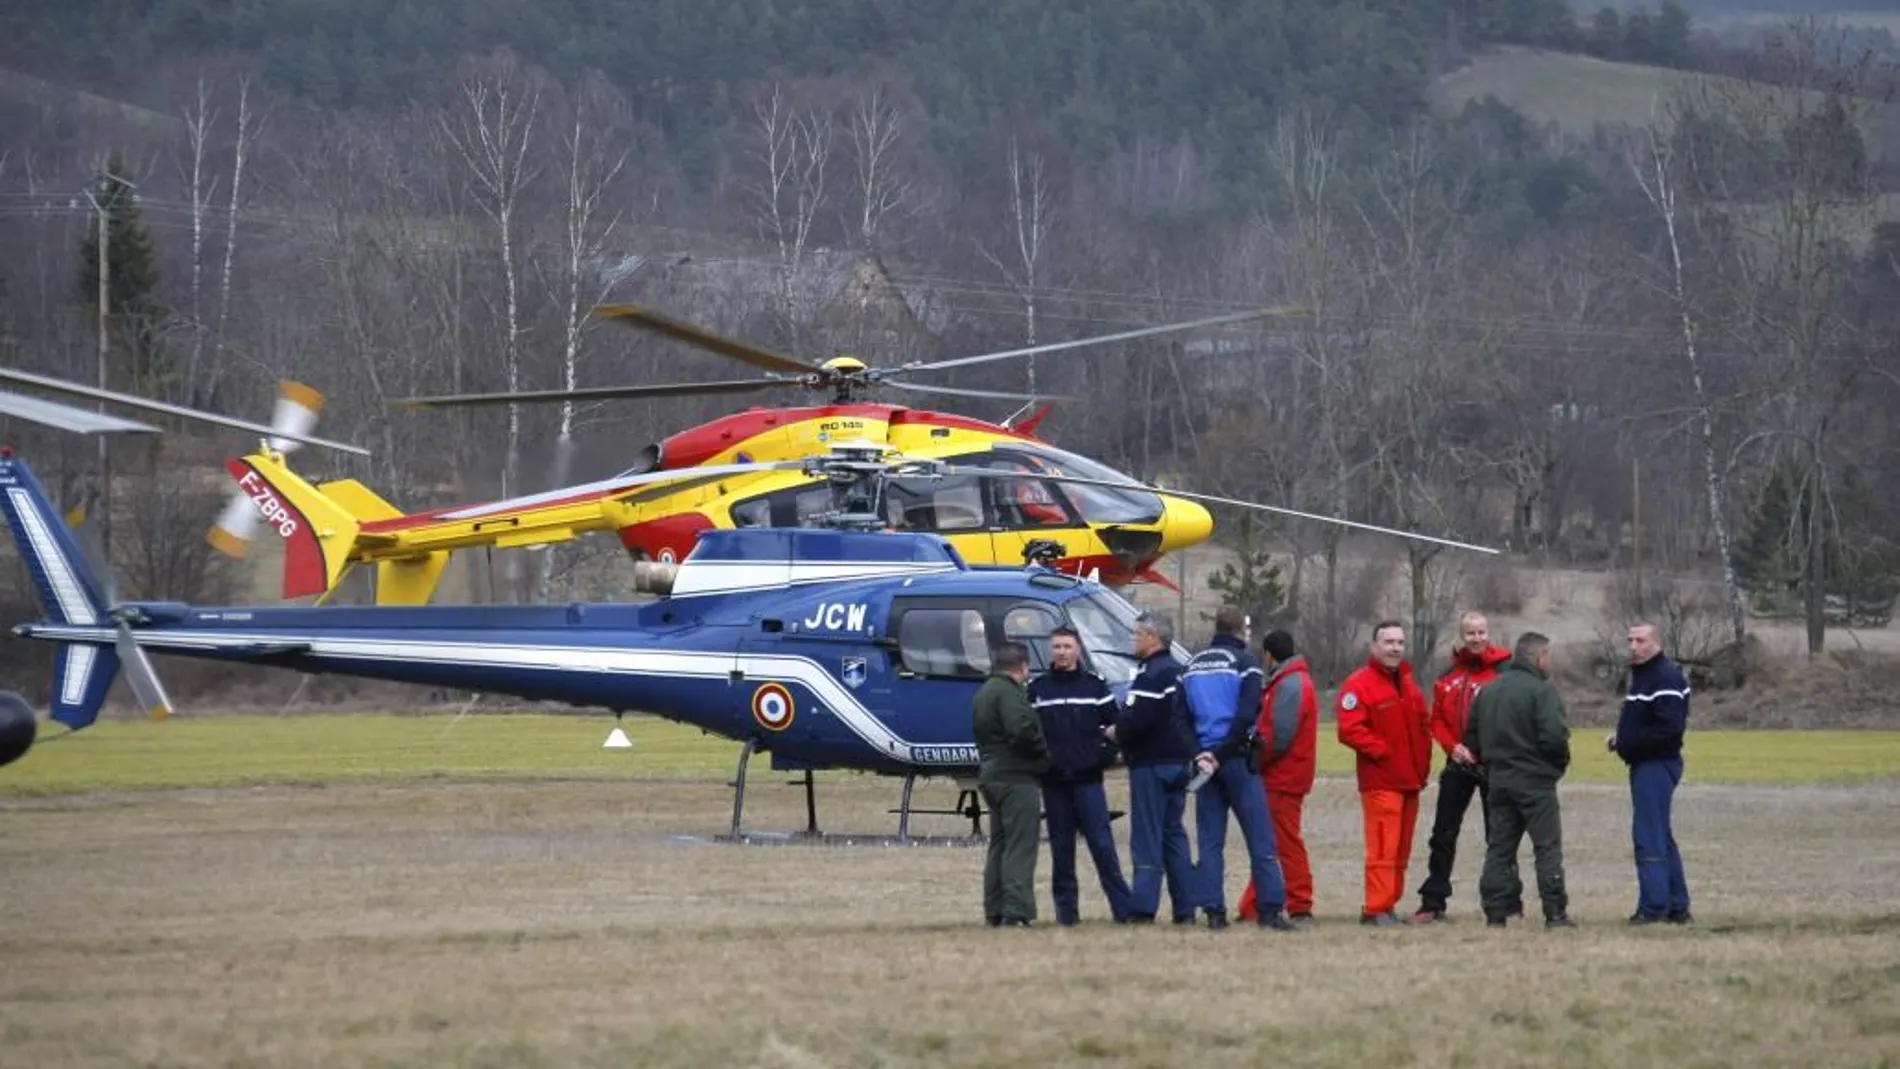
pixel 1516 730
pixel 1012 756
pixel 1221 689
pixel 1074 706
pixel 1649 740
pixel 1157 747
pixel 1474 663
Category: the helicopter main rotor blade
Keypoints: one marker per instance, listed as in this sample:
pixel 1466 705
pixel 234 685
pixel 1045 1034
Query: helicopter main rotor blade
pixel 606 488
pixel 1100 339
pixel 958 391
pixel 592 393
pixel 705 339
pixel 62 386
pixel 1000 473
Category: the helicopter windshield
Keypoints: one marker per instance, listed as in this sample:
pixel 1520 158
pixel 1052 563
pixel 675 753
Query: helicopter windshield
pixel 1106 624
pixel 1097 504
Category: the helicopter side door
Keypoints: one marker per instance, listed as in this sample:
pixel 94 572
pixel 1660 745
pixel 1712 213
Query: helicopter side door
pixel 939 654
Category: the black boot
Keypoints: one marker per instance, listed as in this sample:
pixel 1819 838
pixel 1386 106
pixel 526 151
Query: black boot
pixel 1216 920
pixel 1277 922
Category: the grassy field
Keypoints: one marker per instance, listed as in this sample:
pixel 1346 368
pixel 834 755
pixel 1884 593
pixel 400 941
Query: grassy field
pixel 1578 92
pixel 131 755
pixel 520 924
pixel 1575 92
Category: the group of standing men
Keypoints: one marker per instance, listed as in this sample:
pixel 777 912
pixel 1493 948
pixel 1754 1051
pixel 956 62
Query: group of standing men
pixel 1241 736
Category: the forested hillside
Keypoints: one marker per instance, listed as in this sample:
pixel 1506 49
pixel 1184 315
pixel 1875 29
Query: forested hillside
pixel 1510 332
pixel 1097 71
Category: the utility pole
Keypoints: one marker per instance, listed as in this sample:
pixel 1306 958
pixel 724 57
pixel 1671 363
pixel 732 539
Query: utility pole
pixel 102 502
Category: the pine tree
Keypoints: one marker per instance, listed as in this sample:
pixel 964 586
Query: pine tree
pixel 135 314
pixel 1251 583
pixel 1766 559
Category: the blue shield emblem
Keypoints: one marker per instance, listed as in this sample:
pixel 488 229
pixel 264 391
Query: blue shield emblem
pixel 853 673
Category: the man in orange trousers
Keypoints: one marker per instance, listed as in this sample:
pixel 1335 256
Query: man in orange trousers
pixel 1289 729
pixel 1383 717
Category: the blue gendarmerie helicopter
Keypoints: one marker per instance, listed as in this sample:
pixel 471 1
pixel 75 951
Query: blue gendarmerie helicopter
pixel 838 646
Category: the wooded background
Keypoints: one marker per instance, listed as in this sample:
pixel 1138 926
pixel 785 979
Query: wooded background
pixel 1562 270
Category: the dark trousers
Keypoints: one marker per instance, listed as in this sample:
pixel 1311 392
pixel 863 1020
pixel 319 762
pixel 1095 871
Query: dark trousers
pixel 1158 842
pixel 1661 889
pixel 1515 810
pixel 1235 786
pixel 1072 808
pixel 1009 872
pixel 1456 786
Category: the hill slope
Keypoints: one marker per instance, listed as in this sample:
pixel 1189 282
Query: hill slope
pixel 1575 92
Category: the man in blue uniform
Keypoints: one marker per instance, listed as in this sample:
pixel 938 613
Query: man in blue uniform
pixel 1075 705
pixel 1649 740
pixel 1157 748
pixel 1220 687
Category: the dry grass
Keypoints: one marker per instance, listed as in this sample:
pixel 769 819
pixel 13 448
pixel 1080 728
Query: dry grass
pixel 236 751
pixel 541 924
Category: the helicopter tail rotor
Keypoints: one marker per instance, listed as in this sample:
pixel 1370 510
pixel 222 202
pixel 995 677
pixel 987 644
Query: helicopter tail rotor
pixel 297 411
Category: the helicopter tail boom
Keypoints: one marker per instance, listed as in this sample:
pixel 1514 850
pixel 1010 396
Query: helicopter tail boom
pixel 317 529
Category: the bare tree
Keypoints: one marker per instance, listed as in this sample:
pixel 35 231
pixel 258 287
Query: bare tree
pixel 877 130
pixel 1654 166
pixel 794 143
pixel 591 165
pixel 1305 230
pixel 1032 214
pixel 200 118
pixel 1786 196
pixel 248 127
pixel 493 130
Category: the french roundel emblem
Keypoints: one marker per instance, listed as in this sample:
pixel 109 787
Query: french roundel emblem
pixel 772 707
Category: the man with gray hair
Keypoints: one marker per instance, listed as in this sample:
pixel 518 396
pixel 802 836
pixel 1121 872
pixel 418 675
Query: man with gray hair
pixel 1158 748
pixel 1516 731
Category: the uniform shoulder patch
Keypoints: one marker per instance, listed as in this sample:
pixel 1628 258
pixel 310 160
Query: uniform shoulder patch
pixel 1349 701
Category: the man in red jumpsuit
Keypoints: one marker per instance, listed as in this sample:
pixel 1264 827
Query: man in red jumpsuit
pixel 1382 716
pixel 1474 663
pixel 1289 726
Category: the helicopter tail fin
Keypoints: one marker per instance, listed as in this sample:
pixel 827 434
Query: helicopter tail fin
pixel 318 530
pixel 71 592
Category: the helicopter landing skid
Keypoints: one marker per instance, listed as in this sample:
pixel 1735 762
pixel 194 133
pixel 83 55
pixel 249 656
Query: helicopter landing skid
pixel 969 804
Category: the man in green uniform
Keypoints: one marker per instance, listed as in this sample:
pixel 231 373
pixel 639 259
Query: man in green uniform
pixel 1517 734
pixel 1013 756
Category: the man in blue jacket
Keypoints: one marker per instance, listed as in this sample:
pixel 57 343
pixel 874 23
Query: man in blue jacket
pixel 1157 748
pixel 1649 740
pixel 1075 705
pixel 1220 688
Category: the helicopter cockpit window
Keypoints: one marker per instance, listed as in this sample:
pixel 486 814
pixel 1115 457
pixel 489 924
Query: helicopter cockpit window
pixel 1022 503
pixel 954 504
pixel 754 513
pixel 1097 504
pixel 944 642
pixel 1106 624
pixel 1030 625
